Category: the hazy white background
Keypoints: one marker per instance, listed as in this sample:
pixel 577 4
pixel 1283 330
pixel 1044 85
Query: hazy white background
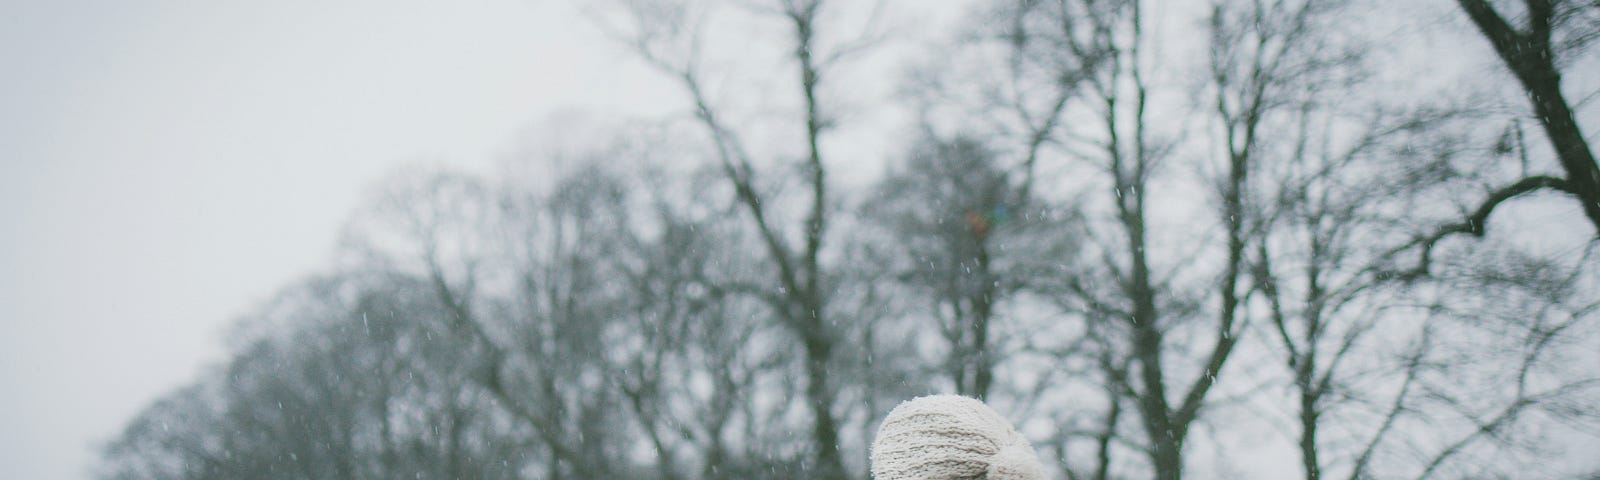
pixel 165 165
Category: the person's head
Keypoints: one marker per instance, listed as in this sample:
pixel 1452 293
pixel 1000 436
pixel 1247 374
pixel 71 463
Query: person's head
pixel 949 437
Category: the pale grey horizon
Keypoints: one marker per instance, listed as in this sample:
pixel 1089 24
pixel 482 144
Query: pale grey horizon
pixel 166 165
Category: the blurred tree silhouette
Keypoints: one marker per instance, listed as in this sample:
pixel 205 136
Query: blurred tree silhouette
pixel 1167 247
pixel 969 238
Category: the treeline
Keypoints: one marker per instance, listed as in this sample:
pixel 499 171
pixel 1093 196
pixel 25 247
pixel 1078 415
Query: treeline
pixel 1167 238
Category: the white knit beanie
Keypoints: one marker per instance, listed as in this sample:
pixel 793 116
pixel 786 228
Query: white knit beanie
pixel 950 437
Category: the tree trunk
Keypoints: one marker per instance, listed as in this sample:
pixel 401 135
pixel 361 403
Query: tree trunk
pixel 1529 57
pixel 1583 177
pixel 983 309
pixel 1308 421
pixel 824 430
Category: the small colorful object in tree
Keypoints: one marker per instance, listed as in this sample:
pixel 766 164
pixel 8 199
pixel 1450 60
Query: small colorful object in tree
pixel 982 222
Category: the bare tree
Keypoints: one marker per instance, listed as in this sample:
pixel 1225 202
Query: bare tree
pixel 1504 384
pixel 534 338
pixel 326 394
pixel 802 303
pixel 689 357
pixel 968 241
pixel 1555 30
pixel 1129 155
pixel 1095 51
pixel 1370 356
pixel 1094 232
pixel 1015 85
pixel 1532 54
pixel 169 439
pixel 1272 65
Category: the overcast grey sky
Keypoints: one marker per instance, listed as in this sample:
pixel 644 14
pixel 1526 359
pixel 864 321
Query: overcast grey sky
pixel 165 165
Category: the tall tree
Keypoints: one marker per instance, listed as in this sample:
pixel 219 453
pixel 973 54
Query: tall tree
pixel 968 240
pixel 1532 54
pixel 1272 65
pixel 802 303
pixel 1168 400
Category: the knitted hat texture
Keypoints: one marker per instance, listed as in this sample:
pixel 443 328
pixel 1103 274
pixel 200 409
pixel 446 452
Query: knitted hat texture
pixel 950 437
